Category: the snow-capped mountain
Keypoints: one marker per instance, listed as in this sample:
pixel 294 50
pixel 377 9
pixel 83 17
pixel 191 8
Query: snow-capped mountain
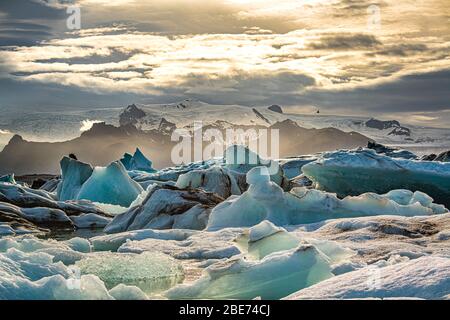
pixel 390 132
pixel 65 125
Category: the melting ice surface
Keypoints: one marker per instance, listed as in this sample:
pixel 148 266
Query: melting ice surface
pixel 151 272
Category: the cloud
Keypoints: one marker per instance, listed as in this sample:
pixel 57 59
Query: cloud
pixel 345 42
pixel 87 124
pixel 249 52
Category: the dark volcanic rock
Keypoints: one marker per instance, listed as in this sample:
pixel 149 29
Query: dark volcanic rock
pixel 428 157
pixel 166 127
pixel 443 157
pixel 391 152
pixel 275 108
pixel 131 115
pixel 382 125
pixel 400 131
pixel 259 115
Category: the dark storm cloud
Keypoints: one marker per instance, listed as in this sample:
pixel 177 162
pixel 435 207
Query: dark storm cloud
pixel 402 50
pixel 45 96
pixel 344 8
pixel 419 92
pixel 345 42
pixel 27 22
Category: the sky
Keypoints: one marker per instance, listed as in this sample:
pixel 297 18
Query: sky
pixel 389 59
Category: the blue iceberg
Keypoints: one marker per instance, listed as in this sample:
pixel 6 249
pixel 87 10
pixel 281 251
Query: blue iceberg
pixel 137 162
pixel 358 171
pixel 110 185
pixel 73 174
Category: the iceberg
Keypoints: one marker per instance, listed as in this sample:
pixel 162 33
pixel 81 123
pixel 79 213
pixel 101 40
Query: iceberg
pixel 9 178
pixel 240 160
pixel 199 245
pixel 265 238
pixel 110 185
pixel 422 278
pixel 112 242
pixel 90 221
pixel 358 171
pixel 165 206
pixel 214 179
pixel 151 272
pixel 137 161
pixel 275 276
pixel 73 174
pixel 265 200
pixel 293 167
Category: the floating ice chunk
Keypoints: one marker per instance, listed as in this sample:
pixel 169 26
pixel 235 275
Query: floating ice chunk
pixel 240 159
pixel 265 238
pixel 112 242
pixel 293 167
pixel 42 272
pixel 90 221
pixel 195 218
pixel 9 178
pixel 79 244
pixel 214 179
pixel 53 288
pixel 32 266
pixel 6 230
pixel 200 245
pixel 51 185
pixel 46 217
pixel 73 174
pixel 123 292
pixel 357 171
pixel 111 185
pixel 67 252
pixel 162 206
pixel 112 209
pixel 25 197
pixel 425 278
pixel 264 200
pixel 137 162
pixel 151 272
pixel 263 230
pixel 265 244
pixel 274 277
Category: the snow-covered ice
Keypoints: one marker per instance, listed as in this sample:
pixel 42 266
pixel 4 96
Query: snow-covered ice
pixel 422 278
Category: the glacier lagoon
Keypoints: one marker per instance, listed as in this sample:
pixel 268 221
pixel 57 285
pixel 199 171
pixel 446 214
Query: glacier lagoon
pixel 209 230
